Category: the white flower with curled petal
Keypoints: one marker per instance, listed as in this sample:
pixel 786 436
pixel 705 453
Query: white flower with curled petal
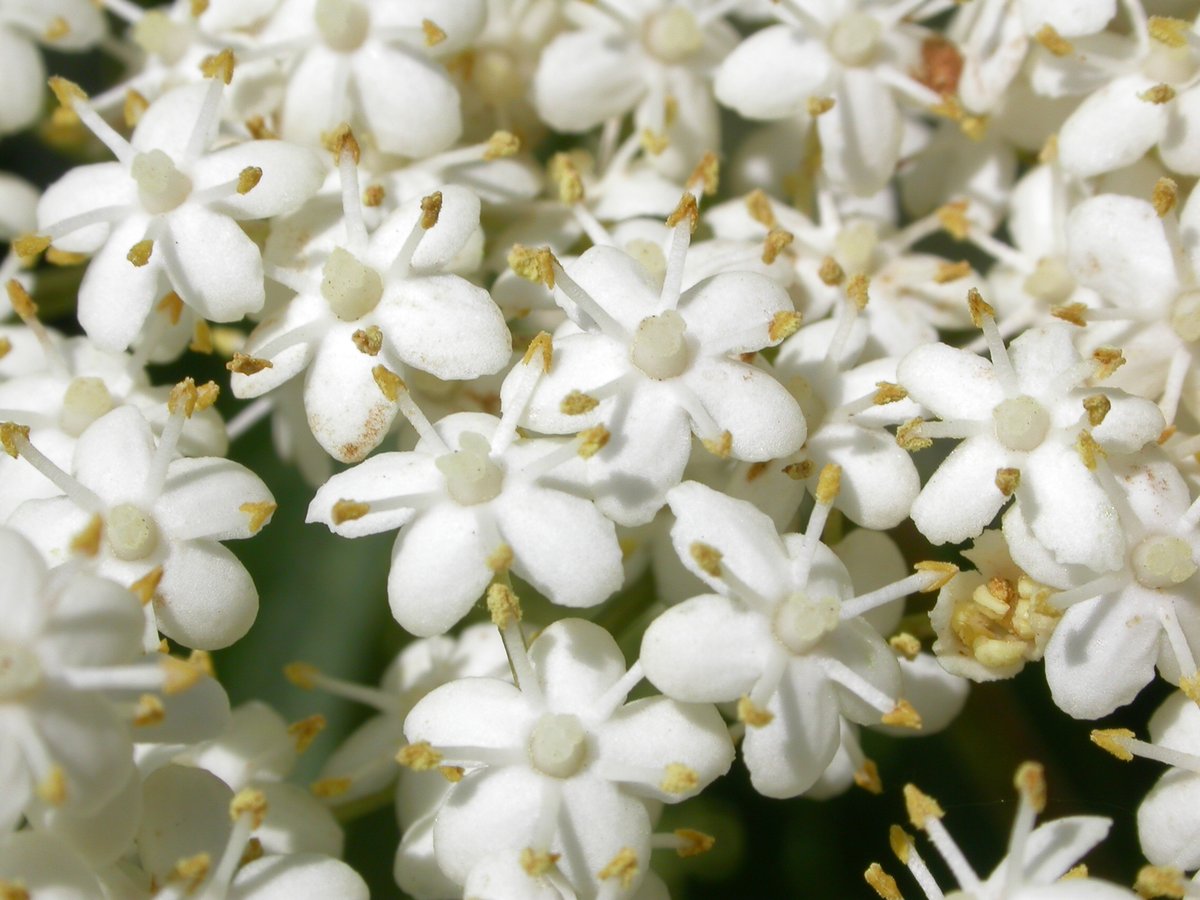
pixel 657 365
pixel 155 522
pixel 1121 622
pixel 856 54
pixel 470 501
pixel 1030 425
pixel 560 769
pixel 1039 863
pixel 165 213
pixel 374 65
pixel 384 298
pixel 784 636
pixel 69 25
pixel 655 58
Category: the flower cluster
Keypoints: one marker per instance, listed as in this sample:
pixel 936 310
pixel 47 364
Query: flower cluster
pixel 793 364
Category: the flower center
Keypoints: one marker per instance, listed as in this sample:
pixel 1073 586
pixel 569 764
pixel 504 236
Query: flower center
pixel 558 745
pixel 343 24
pixel 672 35
pixel 659 348
pixel 1162 562
pixel 84 401
pixel 498 77
pixel 20 672
pixel 161 186
pixel 801 622
pixel 351 288
pixel 1021 423
pixel 1050 281
pixel 855 246
pixel 1185 315
pixel 471 475
pixel 854 39
pixel 132 533
pixel 158 35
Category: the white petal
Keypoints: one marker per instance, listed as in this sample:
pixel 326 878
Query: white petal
pixel 1053 848
pixel 186 812
pixel 763 419
pixel 46 866
pixel 203 498
pixel 298 876
pixel 954 384
pixel 441 245
pixel 206 599
pixel 380 478
pixel 861 134
pixel 563 545
pixel 773 73
pixel 116 296
pixel 1072 18
pixel 1117 247
pixel 1041 357
pixel 500 715
pixel 707 649
pixel 1111 128
pixel 731 305
pixel 22 74
pixel 347 412
pixel 1167 820
pixel 489 810
pixel 584 77
pixel 438 569
pixel 212 263
pixel 576 662
pixel 879 480
pixel 410 105
pixel 81 190
pixel 290 175
pixel 114 456
pixel 582 362
pixel 168 123
pixel 962 498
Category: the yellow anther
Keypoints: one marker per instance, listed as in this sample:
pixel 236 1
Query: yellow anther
pixel 1090 452
pixel 759 207
pixel 1160 881
pixel 328 788
pixel 829 484
pixel 368 340
pixel 305 731
pixel 906 645
pixel 818 106
pixel 179 675
pixel 692 842
pixel 783 326
pixel 248 179
pixel 920 806
pixel 453 774
pixel 243 364
pixel 389 383
pixel 886 392
pixel 882 883
pixel 1074 313
pixel 431 209
pixel 831 272
pixel 198 8
pixel 258 513
pixel 776 241
pixel 719 447
pixel 979 308
pixel 29 246
pixel 593 440
pixel 858 291
pixel 944 570
pixel 11 437
pixel 753 715
pixel 57 29
pixel 182 398
pixel 1008 480
pixel 134 107
pixel 706 173
pixel 342 140
pixel 146 586
pixel 503 605
pixel 52 789
pixel 201 660
pixel 219 65
pixel 1158 95
pixel 87 541
pixel 249 802
pixel 303 675
pixel 502 144
pixel 577 403
pixel 679 779
pixel 798 471
pixel 623 867
pixel 1053 41
pixel 500 560
pixel 1164 196
pixel 201 338
pixel 901 843
pixel 953 219
pixel 5 347
pixel 139 253
pixel 66 92
pixel 867 777
pixel 348 511
pixel 534 264
pixel 948 271
pixel 707 557
pixel 1030 780
pixel 537 863
pixel 192 870
pixel 1169 31
pixel 1109 359
pixel 903 716
pixel 1097 407
pixel 433 34
pixel 148 711
pixel 373 195
pixel 420 757
pixel 565 174
pixel 909 436
pixel 685 209
pixel 171 305
pixel 1111 739
pixel 542 344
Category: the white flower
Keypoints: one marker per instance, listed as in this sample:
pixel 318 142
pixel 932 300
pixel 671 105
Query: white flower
pixel 1029 425
pixel 784 636
pixel 1037 859
pixel 166 212
pixel 160 520
pixel 33 864
pixel 561 769
pixel 471 501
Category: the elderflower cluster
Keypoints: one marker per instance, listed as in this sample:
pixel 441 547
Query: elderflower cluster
pixel 739 380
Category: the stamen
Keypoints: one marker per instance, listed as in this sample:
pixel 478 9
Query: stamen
pixel 505 610
pixel 309 677
pixel 15 440
pixel 924 581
